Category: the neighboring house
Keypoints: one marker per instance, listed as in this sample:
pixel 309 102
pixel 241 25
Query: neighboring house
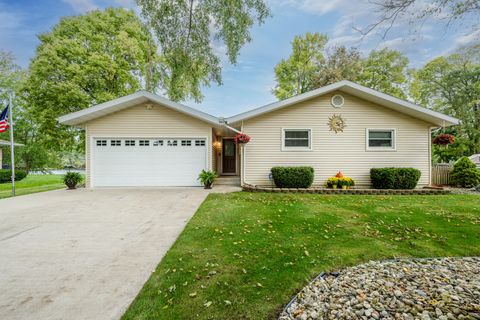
pixel 475 159
pixel 146 140
pixel 6 144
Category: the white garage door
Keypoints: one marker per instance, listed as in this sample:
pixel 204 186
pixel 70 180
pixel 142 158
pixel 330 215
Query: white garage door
pixel 148 162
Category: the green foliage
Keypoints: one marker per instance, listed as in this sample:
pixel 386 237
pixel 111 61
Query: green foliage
pixel 307 68
pixel 207 177
pixel 293 177
pixel 394 178
pixel 465 173
pixel 11 76
pixel 295 75
pixel 185 29
pixel 6 175
pixel 72 179
pixel 256 250
pixel 86 60
pixel 342 63
pixel 385 70
pixel 451 85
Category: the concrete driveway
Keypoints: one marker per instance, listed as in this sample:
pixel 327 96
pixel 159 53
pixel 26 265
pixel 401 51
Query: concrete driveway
pixel 85 254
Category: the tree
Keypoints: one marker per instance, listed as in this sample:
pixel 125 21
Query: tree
pixel 385 70
pixel 452 85
pixel 296 74
pixel 341 64
pixel 310 67
pixel 86 60
pixel 188 32
pixel 418 12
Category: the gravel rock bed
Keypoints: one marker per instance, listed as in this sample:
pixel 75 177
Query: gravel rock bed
pixel 447 288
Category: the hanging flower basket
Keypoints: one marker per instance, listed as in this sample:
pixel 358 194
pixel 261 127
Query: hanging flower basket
pixel 444 139
pixel 241 138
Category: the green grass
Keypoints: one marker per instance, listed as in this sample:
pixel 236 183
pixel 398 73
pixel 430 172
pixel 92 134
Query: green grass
pixel 244 255
pixel 32 184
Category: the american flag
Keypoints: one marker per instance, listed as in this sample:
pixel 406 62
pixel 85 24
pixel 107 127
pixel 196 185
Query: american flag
pixel 4 125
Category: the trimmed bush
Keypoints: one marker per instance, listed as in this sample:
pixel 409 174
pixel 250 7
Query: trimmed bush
pixel 6 175
pixel 394 178
pixel 465 173
pixel 293 177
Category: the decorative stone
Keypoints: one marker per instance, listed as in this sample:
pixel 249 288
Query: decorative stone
pixel 423 289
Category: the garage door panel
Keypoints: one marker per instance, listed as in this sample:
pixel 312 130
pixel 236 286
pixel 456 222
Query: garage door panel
pixel 152 165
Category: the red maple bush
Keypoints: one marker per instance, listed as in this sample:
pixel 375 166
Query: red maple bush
pixel 241 138
pixel 444 139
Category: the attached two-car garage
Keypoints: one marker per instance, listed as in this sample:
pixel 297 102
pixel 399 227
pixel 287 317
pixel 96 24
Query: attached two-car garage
pixel 147 161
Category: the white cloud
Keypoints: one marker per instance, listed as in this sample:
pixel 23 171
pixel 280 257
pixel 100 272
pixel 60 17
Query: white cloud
pixel 468 38
pixel 82 6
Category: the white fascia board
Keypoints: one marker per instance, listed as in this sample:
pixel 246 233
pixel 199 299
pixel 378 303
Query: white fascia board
pixel 82 116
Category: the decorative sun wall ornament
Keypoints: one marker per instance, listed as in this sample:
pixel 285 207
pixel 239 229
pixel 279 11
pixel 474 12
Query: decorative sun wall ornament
pixel 336 123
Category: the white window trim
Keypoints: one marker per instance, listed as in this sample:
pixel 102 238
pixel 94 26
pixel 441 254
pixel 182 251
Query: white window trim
pixel 387 149
pixel 290 149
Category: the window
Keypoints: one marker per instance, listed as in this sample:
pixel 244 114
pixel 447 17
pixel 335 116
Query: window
pixel 157 143
pixel 199 143
pixel 115 143
pixel 172 143
pixel 297 139
pixel 380 139
pixel 186 143
pixel 144 143
pixel 101 143
pixel 130 143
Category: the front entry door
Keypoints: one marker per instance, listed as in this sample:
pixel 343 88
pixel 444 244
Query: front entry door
pixel 228 156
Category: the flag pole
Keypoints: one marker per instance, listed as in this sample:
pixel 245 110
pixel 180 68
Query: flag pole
pixel 12 146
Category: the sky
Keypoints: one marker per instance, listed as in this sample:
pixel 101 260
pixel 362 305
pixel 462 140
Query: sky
pixel 249 83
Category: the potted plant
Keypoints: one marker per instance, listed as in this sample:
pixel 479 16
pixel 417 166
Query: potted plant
pixel 207 178
pixel 343 182
pixel 241 138
pixel 332 182
pixel 72 179
pixel 444 139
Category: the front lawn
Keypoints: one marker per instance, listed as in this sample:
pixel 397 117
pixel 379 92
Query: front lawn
pixel 244 255
pixel 32 184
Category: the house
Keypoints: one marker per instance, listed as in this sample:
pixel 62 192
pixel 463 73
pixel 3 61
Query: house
pixel 145 140
pixel 475 159
pixel 6 144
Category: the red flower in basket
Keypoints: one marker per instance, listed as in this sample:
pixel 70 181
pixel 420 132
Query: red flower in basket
pixel 241 138
pixel 444 139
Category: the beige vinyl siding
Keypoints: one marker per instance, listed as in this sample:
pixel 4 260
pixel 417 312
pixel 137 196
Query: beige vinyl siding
pixel 140 122
pixel 344 151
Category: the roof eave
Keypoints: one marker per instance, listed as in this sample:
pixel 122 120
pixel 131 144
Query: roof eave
pixel 81 117
pixel 425 114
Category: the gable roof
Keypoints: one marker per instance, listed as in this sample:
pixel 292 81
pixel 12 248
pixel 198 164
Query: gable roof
pixel 357 90
pixel 100 110
pixel 416 111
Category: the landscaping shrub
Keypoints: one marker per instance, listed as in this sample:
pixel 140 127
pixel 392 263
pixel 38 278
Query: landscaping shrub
pixel 394 178
pixel 293 177
pixel 465 173
pixel 6 175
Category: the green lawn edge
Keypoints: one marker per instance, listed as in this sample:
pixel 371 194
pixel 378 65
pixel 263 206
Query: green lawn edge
pixel 244 255
pixel 32 184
